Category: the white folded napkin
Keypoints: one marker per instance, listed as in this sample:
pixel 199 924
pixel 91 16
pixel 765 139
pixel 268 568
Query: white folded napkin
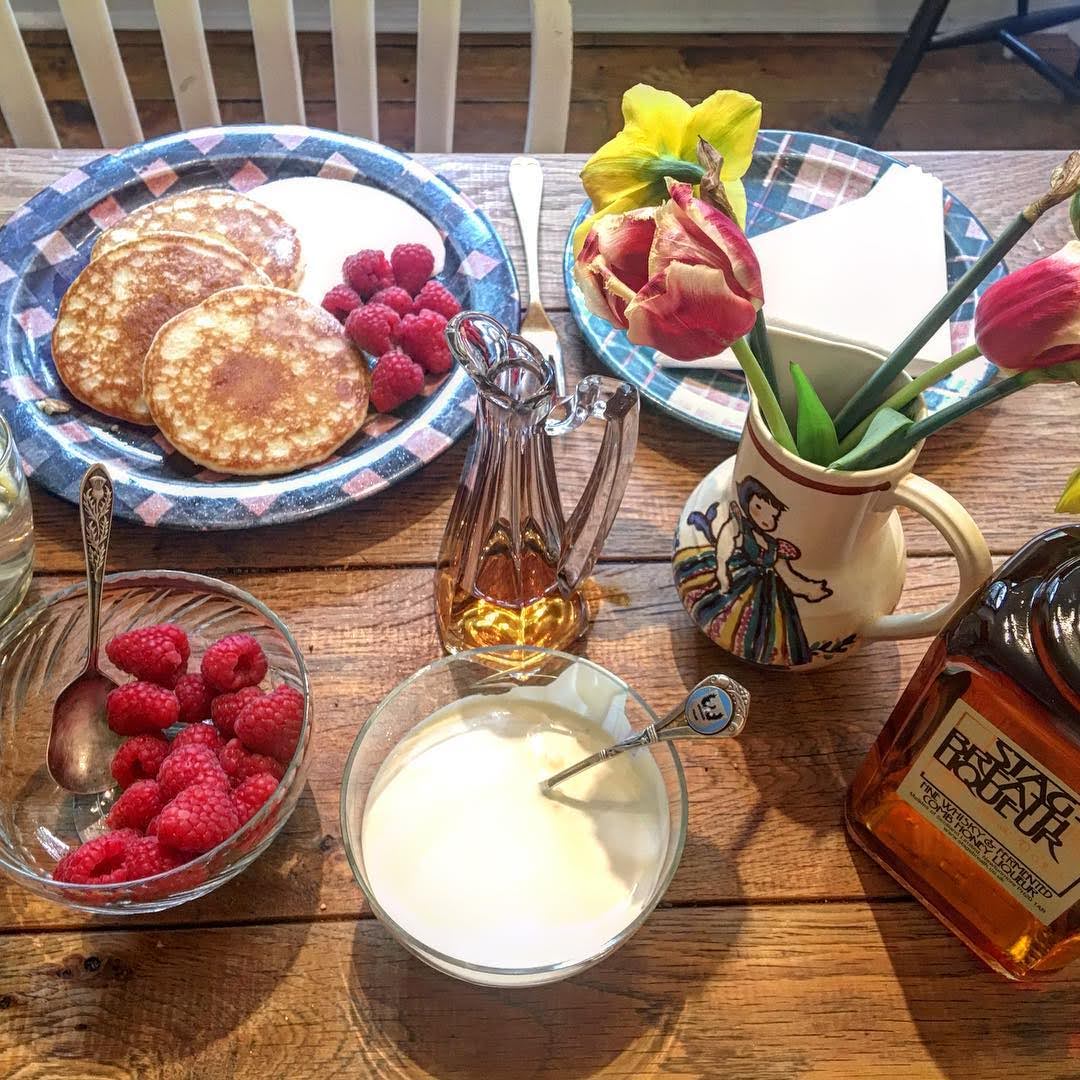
pixel 864 272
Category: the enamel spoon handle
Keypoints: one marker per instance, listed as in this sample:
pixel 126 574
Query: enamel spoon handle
pixel 718 705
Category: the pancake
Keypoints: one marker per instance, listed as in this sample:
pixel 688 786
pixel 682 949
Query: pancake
pixel 112 310
pixel 255 381
pixel 260 232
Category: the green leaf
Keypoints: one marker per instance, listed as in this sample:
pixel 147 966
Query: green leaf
pixel 1069 503
pixel 1074 213
pixel 878 446
pixel 815 434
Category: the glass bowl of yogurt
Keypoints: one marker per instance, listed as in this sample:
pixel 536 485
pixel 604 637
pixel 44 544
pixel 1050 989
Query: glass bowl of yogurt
pixel 461 854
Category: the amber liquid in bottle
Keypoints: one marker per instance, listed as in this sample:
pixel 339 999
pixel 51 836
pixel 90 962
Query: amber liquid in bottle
pixel 969 796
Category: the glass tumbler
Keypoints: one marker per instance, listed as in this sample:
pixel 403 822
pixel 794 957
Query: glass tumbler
pixel 16 527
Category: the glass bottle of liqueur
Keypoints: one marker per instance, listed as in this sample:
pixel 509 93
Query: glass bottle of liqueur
pixel 970 797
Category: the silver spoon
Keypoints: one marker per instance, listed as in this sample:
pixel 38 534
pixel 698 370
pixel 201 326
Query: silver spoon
pixel 80 742
pixel 718 705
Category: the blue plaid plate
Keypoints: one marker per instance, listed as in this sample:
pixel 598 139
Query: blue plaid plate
pixel 47 241
pixel 793 175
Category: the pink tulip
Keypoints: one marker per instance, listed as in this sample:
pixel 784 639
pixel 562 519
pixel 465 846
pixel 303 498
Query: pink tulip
pixel 704 288
pixel 614 262
pixel 1030 319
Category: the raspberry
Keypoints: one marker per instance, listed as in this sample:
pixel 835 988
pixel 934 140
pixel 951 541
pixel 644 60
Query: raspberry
pixel 271 724
pixel 396 379
pixel 147 856
pixel 438 360
pixel 157 654
pixel 198 735
pixel 240 764
pixel 194 696
pixel 413 264
pixel 435 296
pixel 423 337
pixel 138 758
pixel 236 660
pixel 151 826
pixel 368 328
pixel 198 819
pixel 189 765
pixel 137 806
pixel 367 272
pixel 252 793
pixel 340 300
pixel 139 707
pixel 388 313
pixel 226 708
pixel 395 298
pixel 97 862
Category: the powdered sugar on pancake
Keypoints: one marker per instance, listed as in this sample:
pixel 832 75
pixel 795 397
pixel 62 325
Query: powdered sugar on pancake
pixel 336 218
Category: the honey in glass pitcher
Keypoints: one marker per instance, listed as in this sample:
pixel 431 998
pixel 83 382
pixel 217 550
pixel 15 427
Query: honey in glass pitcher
pixel 511 566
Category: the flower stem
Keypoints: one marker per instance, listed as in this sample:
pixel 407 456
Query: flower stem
pixel 1064 184
pixel 912 390
pixel 766 398
pixel 872 393
pixel 994 392
pixel 759 343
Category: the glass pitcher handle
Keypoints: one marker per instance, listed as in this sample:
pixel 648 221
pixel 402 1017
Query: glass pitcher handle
pixel 618 405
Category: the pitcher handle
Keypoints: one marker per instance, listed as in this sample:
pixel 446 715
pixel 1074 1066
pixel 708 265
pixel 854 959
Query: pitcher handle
pixel 618 405
pixel 967 544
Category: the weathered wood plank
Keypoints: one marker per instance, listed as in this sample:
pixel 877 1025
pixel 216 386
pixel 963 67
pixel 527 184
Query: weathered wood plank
pixel 748 993
pixel 766 812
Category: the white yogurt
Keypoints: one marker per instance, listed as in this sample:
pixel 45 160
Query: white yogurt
pixel 337 218
pixel 464 851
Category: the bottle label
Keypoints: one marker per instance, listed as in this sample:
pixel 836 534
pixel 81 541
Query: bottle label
pixel 1008 812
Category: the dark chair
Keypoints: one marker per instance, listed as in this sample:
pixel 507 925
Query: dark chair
pixel 922 37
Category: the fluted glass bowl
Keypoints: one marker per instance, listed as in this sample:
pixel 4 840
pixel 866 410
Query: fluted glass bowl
pixel 494 670
pixel 42 650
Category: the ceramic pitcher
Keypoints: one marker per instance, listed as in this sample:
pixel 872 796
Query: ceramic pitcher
pixel 786 564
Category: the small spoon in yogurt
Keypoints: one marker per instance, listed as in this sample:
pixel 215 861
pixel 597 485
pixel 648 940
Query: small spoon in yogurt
pixel 718 705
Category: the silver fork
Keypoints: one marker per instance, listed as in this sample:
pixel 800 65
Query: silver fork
pixel 526 191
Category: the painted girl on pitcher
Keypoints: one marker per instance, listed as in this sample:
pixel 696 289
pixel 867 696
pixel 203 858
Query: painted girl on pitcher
pixel 741 586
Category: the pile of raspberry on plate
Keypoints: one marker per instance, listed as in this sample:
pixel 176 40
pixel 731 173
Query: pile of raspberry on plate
pixel 394 310
pixel 182 796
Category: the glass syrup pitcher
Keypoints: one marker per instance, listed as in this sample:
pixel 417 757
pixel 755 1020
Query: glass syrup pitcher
pixel 511 567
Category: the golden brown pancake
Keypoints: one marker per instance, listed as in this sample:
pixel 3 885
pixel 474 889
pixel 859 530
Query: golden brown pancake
pixel 262 234
pixel 112 310
pixel 256 380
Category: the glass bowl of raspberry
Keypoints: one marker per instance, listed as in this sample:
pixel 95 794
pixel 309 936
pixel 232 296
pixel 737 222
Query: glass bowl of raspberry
pixel 212 717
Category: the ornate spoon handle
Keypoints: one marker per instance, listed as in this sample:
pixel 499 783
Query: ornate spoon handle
pixel 95 517
pixel 718 705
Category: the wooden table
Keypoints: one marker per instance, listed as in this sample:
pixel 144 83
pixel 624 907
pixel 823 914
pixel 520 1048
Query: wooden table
pixel 780 951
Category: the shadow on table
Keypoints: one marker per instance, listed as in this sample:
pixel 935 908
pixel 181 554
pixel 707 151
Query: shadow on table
pixel 186 989
pixel 627 1009
pixel 973 1022
pixel 340 534
pixel 807 733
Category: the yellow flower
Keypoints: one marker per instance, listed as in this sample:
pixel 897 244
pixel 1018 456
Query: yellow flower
pixel 658 140
pixel 1069 503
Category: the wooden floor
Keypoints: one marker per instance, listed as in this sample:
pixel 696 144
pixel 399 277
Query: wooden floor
pixel 965 99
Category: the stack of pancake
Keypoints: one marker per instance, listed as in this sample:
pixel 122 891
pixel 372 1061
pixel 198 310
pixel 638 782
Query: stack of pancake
pixel 184 319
